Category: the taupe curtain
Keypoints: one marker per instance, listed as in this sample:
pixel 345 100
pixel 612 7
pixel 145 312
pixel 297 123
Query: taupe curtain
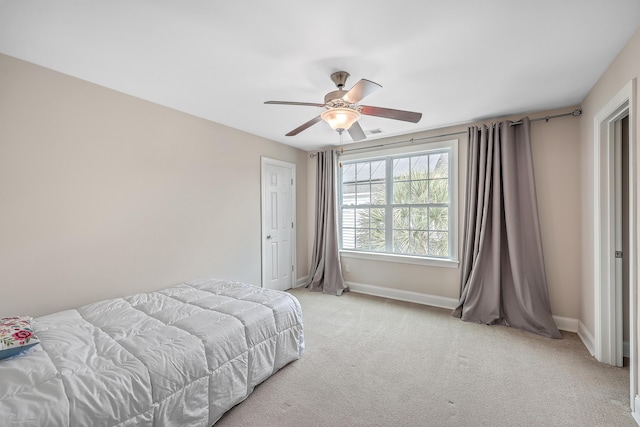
pixel 503 278
pixel 325 274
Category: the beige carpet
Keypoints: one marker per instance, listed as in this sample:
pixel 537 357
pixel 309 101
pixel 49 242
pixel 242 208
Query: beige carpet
pixel 377 362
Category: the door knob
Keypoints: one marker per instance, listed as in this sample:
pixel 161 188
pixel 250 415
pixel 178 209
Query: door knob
pixel 268 236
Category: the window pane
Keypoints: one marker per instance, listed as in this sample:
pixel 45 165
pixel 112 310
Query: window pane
pixel 401 169
pixel 439 165
pixel 401 192
pixel 378 170
pixel 348 238
pixel 377 218
pixel 439 219
pixel 348 173
pixel 439 191
pixel 363 171
pixel 419 167
pixel 438 243
pixel 400 241
pixel 377 235
pixel 363 193
pixel 362 218
pixel 348 218
pixel 419 218
pixel 378 194
pixel 362 239
pixel 400 218
pixel 377 242
pixel 419 192
pixel 419 243
pixel 348 194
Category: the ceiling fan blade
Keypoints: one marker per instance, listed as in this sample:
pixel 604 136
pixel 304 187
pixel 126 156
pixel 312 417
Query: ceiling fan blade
pixel 356 132
pixel 304 126
pixel 309 104
pixel 389 113
pixel 361 89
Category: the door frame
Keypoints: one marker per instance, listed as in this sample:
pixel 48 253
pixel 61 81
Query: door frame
pixel 264 161
pixel 608 295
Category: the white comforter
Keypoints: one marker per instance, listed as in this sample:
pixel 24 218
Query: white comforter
pixel 177 357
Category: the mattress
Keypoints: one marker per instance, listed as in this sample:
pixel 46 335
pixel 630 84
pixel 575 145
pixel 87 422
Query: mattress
pixel 181 356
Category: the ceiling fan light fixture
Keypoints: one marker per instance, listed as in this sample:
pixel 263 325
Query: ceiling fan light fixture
pixel 340 118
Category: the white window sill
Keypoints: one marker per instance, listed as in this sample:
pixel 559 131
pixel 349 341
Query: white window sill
pixel 402 259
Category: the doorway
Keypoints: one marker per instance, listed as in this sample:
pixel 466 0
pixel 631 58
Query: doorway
pixel 622 225
pixel 615 239
pixel 278 182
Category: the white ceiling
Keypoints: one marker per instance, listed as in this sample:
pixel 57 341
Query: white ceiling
pixel 455 61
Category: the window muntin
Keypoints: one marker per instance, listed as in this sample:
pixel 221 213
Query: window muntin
pixel 398 204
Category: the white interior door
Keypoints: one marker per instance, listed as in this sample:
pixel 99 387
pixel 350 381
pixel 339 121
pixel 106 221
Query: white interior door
pixel 278 232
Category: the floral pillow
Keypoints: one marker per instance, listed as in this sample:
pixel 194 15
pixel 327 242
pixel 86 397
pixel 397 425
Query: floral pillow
pixel 16 336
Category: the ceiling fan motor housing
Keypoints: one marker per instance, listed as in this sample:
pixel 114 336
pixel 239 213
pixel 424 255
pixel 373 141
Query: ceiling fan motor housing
pixel 335 95
pixel 340 78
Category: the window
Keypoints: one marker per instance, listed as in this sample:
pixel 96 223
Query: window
pixel 400 202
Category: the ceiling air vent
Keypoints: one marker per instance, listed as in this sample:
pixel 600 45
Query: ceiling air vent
pixel 373 131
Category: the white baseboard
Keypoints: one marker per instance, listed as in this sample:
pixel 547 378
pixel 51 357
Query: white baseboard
pixel 301 281
pixel 588 341
pixel 634 412
pixel 566 323
pixel 409 296
pixel 587 338
pixel 563 323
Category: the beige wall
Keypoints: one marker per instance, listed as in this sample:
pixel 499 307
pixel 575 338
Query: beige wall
pixel 104 194
pixel 557 168
pixel 556 159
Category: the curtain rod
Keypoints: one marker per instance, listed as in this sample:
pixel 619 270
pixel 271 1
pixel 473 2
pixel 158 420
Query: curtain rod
pixel 412 140
pixel 575 113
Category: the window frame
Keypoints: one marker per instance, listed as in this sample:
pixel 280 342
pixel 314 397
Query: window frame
pixel 450 146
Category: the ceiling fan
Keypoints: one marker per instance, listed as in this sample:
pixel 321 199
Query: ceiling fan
pixel 342 110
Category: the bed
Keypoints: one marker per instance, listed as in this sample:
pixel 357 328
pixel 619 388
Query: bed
pixel 181 356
